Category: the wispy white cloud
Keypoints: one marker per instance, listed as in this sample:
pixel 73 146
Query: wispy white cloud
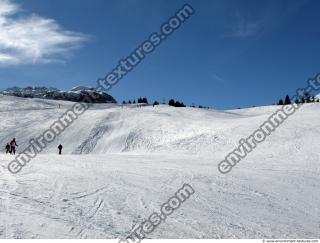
pixel 33 39
pixel 262 18
pixel 217 78
pixel 244 27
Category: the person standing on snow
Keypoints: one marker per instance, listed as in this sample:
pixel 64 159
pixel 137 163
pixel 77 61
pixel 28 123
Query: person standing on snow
pixel 60 149
pixel 13 145
pixel 8 148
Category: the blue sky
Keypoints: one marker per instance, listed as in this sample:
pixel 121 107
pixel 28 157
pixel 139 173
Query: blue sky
pixel 229 54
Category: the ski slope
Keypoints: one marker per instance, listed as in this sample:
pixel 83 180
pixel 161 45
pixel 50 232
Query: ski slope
pixel 121 163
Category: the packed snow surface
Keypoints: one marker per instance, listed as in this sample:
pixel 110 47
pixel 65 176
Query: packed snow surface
pixel 120 163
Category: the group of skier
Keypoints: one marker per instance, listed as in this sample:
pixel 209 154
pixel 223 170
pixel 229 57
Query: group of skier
pixel 11 147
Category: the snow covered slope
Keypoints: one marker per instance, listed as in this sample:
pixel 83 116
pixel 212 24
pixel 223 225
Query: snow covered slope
pixel 111 128
pixel 122 163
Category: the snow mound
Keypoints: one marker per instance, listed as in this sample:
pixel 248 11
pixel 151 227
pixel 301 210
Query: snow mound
pixel 111 128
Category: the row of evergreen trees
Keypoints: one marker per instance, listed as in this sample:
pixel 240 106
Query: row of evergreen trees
pixel 139 101
pixel 307 98
pixel 172 102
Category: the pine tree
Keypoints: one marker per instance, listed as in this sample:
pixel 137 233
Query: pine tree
pixel 172 102
pixel 287 100
pixel 144 100
pixel 307 97
pixel 280 102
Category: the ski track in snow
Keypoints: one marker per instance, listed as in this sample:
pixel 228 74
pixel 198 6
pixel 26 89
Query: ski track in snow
pixel 99 130
pixel 120 164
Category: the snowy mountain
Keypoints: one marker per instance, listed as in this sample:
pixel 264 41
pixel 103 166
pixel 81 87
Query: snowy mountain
pixel 76 94
pixel 121 163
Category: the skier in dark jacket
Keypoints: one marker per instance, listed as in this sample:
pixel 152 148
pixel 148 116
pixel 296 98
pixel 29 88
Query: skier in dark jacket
pixel 8 148
pixel 13 145
pixel 60 149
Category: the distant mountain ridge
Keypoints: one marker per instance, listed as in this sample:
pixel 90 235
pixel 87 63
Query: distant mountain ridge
pixel 76 94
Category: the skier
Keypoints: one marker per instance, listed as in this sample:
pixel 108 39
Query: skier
pixel 13 145
pixel 8 148
pixel 60 149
